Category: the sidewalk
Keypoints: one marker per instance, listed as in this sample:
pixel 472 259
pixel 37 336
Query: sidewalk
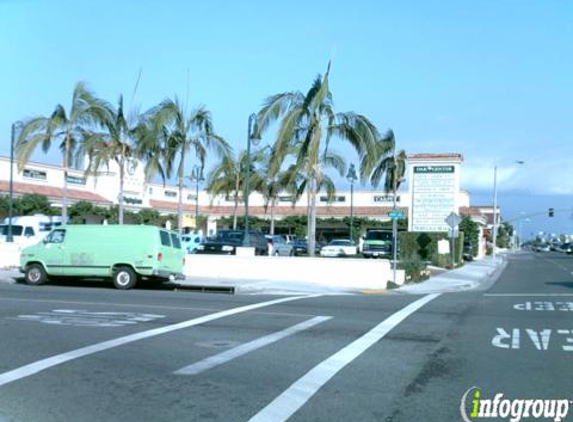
pixel 475 275
pixel 8 275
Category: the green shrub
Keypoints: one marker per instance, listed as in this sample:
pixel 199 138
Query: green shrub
pixel 424 247
pixel 415 270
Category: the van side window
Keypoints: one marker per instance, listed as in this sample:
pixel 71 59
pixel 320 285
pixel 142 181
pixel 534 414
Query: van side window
pixel 29 231
pixel 175 241
pixel 165 241
pixel 57 236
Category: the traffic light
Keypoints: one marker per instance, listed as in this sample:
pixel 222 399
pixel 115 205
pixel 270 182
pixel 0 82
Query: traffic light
pixel 551 212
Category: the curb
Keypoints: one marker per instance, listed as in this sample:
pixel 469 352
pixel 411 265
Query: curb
pixel 448 283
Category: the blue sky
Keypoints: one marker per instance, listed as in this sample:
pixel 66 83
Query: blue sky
pixel 489 79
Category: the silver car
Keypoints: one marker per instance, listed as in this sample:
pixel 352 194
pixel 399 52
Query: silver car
pixel 278 246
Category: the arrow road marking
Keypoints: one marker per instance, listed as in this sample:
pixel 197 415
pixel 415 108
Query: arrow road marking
pixel 243 349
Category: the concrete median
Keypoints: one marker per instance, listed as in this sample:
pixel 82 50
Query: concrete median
pixel 338 273
pixel 9 255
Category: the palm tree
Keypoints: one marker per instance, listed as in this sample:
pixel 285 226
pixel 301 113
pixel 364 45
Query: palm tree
pixel 68 129
pixel 310 122
pixel 385 164
pixel 175 134
pixel 228 177
pixel 117 144
pixel 272 185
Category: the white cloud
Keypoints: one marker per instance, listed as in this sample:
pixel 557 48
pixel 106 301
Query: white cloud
pixel 539 175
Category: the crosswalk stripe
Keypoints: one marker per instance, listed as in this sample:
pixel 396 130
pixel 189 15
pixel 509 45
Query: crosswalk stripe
pixel 41 365
pixel 243 349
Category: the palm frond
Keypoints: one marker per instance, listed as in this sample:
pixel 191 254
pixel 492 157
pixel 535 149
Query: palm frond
pixel 275 106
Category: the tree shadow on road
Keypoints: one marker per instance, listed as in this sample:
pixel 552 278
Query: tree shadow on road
pixel 568 284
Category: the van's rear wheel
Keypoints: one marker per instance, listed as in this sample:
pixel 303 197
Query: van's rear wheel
pixel 35 274
pixel 124 278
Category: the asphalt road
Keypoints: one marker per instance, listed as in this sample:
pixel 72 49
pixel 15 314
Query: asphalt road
pixel 77 353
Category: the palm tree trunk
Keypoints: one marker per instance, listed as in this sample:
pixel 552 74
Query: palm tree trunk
pixel 180 208
pixel 120 199
pixel 236 203
pixel 235 212
pixel 272 230
pixel 181 173
pixel 65 187
pixel 311 231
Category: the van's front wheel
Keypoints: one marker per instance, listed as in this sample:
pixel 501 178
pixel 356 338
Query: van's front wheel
pixel 35 274
pixel 124 278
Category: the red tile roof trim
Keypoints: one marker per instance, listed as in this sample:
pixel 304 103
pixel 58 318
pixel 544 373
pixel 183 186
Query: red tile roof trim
pixel 279 211
pixel 52 192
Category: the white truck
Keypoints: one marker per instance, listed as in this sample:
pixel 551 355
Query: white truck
pixel 30 229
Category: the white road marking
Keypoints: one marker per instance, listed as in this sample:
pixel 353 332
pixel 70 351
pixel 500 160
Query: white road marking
pixel 292 399
pixel 131 305
pixel 82 318
pixel 544 306
pixel 243 349
pixel 498 339
pixel 35 367
pixel 539 339
pixel 528 294
pixel 569 340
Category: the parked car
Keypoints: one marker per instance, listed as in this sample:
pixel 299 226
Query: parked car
pixel 300 247
pixel 542 248
pixel 567 248
pixel 125 253
pixel 225 242
pixel 468 252
pixel 190 241
pixel 278 246
pixel 339 247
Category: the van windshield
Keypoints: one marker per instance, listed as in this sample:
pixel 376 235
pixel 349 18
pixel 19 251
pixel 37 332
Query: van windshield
pixel 16 230
pixel 387 236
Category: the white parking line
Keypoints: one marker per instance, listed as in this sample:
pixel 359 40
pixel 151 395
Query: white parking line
pixel 243 349
pixel 287 403
pixel 35 367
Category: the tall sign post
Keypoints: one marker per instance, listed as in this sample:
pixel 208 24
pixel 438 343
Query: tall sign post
pixel 453 221
pixel 395 215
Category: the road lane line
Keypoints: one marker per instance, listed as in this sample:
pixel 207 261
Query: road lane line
pixel 528 294
pixel 243 349
pixel 35 367
pixel 292 399
pixel 131 305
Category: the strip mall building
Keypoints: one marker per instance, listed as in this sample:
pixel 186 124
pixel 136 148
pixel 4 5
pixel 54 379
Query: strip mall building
pixel 433 192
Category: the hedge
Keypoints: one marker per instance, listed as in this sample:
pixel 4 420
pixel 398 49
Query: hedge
pixel 424 246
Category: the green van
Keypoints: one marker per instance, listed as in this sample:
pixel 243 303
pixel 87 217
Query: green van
pixel 125 253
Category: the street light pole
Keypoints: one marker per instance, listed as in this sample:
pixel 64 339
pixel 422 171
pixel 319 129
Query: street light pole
pixel 495 218
pixel 252 134
pixel 351 177
pixel 394 222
